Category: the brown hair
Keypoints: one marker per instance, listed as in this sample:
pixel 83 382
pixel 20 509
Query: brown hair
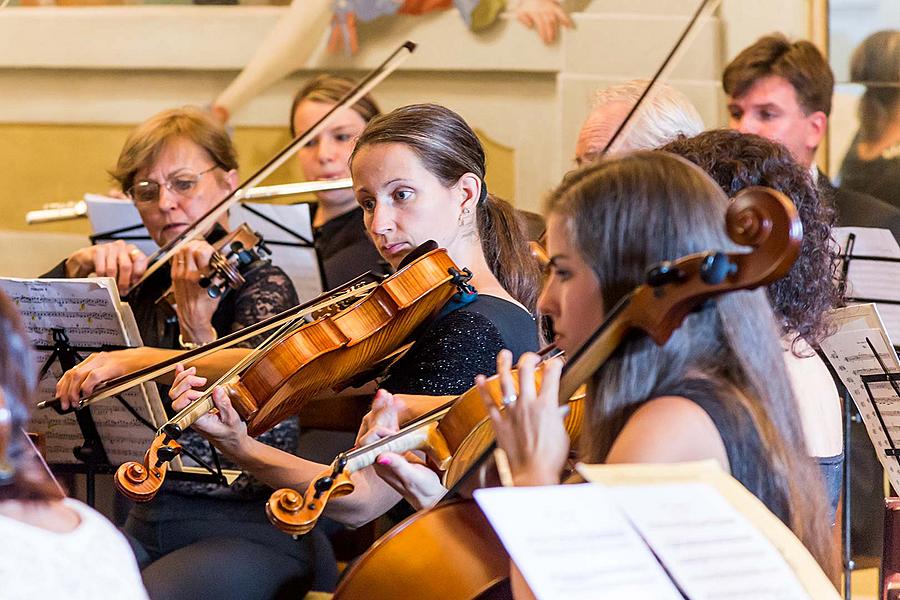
pixel 143 146
pixel 737 160
pixel 877 61
pixel 799 62
pixel 330 89
pixel 18 380
pixel 449 149
pixel 628 213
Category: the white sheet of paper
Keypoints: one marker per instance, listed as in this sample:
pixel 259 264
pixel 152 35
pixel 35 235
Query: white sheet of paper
pixel 708 547
pixel 110 214
pixel 850 355
pixel 87 310
pixel 571 542
pixel 872 280
pixel 869 241
pixel 300 263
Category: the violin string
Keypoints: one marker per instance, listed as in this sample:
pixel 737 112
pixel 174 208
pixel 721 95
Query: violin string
pixel 546 353
pixel 284 330
pixel 120 384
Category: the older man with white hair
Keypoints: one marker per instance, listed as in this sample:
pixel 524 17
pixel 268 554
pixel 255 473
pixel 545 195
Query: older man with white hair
pixel 662 117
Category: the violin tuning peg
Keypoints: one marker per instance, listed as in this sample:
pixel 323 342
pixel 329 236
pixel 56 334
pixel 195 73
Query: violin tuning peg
pixel 663 274
pixel 716 268
pixel 205 282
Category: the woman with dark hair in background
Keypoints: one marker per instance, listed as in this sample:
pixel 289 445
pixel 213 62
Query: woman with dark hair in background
pixel 340 234
pixel 800 300
pixel 872 164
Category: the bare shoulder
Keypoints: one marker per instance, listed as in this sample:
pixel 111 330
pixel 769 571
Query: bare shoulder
pixel 668 429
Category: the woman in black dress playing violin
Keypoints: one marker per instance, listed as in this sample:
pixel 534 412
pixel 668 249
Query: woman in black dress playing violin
pixel 418 175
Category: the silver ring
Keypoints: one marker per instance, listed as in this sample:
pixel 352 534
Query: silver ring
pixel 510 399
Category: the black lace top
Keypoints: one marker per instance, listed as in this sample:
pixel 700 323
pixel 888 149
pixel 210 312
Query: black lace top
pixel 461 343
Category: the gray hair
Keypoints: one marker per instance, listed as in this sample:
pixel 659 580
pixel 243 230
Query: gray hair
pixel 663 116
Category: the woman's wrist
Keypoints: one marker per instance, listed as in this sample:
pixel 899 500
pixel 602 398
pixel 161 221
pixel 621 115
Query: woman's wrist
pixel 196 336
pixel 535 476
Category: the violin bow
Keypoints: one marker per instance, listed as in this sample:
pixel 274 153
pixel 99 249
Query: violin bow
pixel 163 254
pixel 702 14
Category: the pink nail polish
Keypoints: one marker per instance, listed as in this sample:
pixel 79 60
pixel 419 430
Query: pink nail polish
pixel 383 460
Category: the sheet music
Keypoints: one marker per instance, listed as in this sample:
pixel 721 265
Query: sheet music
pixel 851 357
pixel 869 241
pixel 668 495
pixel 88 311
pixel 572 542
pixel 872 279
pixel 708 547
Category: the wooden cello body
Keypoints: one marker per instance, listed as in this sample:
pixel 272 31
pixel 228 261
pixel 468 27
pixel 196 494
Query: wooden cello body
pixel 453 554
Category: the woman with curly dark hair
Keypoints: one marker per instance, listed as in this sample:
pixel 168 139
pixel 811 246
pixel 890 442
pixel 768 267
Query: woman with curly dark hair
pixel 800 300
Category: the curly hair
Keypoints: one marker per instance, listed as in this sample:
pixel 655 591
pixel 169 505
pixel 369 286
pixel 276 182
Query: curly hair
pixel 736 160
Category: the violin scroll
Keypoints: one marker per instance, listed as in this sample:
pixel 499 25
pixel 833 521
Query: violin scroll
pixel 298 514
pixel 139 482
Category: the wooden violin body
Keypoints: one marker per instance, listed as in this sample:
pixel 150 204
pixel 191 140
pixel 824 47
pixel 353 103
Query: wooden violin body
pixel 451 553
pixel 312 358
pixel 332 350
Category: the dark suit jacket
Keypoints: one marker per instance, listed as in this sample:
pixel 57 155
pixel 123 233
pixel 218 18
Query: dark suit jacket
pixel 855 209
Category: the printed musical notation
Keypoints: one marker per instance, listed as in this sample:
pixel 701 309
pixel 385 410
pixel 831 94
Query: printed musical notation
pixel 642 532
pixel 91 315
pixel 873 280
pixel 849 353
pixel 566 551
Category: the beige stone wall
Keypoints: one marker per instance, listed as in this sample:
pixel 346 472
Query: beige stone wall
pixel 75 80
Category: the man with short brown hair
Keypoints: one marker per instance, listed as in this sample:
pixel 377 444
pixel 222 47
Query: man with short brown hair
pixel 782 90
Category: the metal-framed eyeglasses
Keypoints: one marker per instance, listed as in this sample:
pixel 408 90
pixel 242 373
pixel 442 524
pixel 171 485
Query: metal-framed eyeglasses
pixel 183 183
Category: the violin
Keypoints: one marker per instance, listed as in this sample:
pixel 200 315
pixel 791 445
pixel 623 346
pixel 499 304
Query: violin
pixel 413 556
pixel 295 365
pixel 451 436
pixel 236 254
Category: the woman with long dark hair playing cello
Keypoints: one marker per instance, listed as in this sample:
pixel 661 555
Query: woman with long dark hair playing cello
pixel 716 390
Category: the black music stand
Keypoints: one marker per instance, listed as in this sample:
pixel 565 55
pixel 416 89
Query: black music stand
pixel 851 414
pixel 91 452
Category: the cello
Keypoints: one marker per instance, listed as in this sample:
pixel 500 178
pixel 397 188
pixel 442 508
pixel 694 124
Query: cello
pixel 413 556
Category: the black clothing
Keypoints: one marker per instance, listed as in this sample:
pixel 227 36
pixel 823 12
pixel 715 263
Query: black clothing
pixel 346 250
pixel 859 210
pixel 462 343
pixel 748 459
pixel 879 177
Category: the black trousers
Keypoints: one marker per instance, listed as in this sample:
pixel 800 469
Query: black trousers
pixel 197 547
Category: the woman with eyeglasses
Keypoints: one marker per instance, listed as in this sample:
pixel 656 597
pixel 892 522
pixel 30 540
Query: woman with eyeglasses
pixel 195 539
